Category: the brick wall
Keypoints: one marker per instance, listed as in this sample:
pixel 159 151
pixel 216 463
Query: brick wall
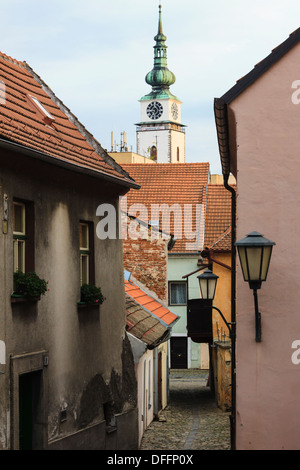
pixel 146 259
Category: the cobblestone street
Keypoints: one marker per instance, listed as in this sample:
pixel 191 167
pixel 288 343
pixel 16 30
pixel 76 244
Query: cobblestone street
pixel 192 420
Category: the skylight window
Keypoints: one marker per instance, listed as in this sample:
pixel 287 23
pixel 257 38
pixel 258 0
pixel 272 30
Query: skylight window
pixel 48 118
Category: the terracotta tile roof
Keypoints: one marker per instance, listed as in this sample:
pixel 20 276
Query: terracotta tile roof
pixel 143 325
pixel 149 304
pixel 218 218
pixel 164 183
pixel 64 138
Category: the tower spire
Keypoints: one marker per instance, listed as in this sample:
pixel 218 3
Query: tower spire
pixel 160 29
pixel 160 77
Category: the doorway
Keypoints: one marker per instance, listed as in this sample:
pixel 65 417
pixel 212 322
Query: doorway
pixel 30 411
pixel 179 352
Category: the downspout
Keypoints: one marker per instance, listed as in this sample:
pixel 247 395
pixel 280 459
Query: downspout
pixel 233 312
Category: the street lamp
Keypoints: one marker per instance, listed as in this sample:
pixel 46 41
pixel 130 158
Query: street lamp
pixel 207 283
pixel 255 254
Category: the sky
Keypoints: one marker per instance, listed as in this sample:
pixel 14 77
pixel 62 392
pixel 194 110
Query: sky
pixel 95 54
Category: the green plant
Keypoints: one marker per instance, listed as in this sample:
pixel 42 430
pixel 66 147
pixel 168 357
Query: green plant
pixel 91 294
pixel 29 284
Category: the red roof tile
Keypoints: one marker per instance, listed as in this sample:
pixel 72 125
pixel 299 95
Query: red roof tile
pixel 23 123
pixel 148 303
pixel 218 218
pixel 164 183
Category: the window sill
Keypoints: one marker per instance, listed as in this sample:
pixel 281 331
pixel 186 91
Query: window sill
pixel 17 298
pixel 177 305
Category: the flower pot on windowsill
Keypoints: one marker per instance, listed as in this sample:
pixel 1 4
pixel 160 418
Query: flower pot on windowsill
pixel 28 287
pixel 90 296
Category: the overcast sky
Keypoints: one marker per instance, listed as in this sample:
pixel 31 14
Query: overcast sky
pixel 94 55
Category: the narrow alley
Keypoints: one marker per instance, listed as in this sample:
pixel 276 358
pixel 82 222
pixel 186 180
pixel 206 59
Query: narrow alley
pixel 192 420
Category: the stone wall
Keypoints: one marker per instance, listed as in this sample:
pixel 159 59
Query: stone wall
pixel 146 259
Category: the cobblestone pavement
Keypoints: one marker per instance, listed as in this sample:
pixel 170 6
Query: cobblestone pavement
pixel 192 420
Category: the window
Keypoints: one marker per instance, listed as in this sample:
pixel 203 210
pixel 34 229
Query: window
pixel 177 293
pixel 86 253
pixel 23 236
pixel 19 235
pixel 153 153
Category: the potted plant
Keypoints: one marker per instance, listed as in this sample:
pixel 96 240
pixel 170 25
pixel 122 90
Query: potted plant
pixel 90 295
pixel 29 286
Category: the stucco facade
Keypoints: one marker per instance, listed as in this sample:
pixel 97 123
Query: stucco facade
pixel 263 153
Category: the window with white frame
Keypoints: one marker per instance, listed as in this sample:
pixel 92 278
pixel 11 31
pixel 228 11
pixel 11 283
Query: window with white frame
pixel 19 236
pixel 84 253
pixel 177 293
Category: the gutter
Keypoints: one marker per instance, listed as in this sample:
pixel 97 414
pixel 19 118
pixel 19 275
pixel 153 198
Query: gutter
pixel 14 147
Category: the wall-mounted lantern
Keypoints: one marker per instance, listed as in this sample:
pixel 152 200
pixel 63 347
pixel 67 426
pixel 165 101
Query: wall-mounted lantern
pixel 255 254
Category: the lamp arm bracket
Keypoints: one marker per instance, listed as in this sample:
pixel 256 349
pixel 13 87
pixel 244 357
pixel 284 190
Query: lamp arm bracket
pixel 224 319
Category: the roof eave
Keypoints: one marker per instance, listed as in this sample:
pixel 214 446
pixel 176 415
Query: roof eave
pixel 15 147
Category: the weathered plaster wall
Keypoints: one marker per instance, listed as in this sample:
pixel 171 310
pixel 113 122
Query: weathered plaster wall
pixel 268 122
pixel 90 360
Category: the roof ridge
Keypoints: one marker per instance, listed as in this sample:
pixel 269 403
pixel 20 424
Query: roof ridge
pixel 167 164
pixel 260 68
pixel 12 60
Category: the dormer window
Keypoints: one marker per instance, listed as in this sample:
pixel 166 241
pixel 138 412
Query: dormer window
pixel 48 118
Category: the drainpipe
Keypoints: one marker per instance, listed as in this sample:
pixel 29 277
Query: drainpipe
pixel 233 313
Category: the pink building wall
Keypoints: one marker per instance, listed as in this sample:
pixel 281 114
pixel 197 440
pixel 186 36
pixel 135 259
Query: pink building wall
pixel 267 126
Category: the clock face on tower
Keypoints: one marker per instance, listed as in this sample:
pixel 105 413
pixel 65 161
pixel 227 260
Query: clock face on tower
pixel 154 110
pixel 174 111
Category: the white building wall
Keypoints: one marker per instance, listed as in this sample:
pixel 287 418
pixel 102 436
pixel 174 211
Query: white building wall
pixel 159 138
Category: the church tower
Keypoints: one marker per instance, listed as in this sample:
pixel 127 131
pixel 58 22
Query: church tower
pixel 160 134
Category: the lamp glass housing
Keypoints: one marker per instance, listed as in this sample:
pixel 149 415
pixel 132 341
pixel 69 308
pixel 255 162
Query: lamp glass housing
pixel 255 253
pixel 207 284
